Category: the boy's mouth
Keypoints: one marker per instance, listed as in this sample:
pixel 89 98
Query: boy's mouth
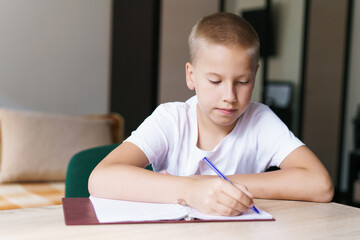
pixel 227 111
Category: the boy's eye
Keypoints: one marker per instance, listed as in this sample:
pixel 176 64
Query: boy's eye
pixel 243 82
pixel 214 81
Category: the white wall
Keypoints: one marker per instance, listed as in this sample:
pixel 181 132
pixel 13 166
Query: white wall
pixel 54 55
pixel 352 94
pixel 177 19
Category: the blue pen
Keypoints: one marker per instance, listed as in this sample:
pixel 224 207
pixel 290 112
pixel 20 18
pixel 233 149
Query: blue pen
pixel 212 166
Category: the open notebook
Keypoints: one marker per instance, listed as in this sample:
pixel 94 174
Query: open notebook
pixel 117 211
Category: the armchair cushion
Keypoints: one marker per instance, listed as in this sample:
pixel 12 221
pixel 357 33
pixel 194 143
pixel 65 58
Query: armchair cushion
pixel 37 146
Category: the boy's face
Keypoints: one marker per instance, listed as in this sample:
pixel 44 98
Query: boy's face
pixel 223 79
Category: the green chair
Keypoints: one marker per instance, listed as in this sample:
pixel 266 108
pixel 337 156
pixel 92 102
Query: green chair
pixel 80 167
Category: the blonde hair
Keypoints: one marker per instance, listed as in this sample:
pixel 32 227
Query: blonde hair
pixel 226 29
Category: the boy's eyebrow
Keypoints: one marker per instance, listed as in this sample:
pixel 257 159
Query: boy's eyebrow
pixel 212 73
pixel 219 75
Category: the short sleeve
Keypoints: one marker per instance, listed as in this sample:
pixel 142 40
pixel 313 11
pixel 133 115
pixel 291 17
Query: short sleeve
pixel 152 137
pixel 275 141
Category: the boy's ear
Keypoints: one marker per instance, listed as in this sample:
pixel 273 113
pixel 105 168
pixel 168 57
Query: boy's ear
pixel 189 76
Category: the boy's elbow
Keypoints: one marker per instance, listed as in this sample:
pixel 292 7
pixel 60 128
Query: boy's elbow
pixel 325 191
pixel 94 182
pixel 91 184
pixel 327 195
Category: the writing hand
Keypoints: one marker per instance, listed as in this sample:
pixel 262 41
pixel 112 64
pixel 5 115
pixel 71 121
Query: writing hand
pixel 219 197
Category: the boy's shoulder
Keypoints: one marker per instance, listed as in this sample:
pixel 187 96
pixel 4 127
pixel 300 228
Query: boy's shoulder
pixel 172 114
pixel 256 107
pixel 257 113
pixel 173 107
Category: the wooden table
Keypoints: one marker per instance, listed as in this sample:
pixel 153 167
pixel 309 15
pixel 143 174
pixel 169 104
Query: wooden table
pixel 294 220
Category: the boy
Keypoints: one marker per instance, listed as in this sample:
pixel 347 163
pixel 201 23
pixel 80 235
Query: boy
pixel 241 138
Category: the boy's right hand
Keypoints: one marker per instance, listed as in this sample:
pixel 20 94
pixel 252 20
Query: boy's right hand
pixel 218 197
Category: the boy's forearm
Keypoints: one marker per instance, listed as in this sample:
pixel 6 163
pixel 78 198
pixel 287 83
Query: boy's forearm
pixel 133 183
pixel 126 182
pixel 137 184
pixel 290 184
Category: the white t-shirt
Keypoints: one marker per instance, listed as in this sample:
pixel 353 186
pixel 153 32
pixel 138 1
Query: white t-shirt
pixel 168 137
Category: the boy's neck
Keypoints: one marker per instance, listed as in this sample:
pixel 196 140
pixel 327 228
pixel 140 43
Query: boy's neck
pixel 209 133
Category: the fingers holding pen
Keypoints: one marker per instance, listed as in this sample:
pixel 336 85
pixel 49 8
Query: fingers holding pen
pixel 217 196
pixel 246 195
pixel 236 198
pixel 227 206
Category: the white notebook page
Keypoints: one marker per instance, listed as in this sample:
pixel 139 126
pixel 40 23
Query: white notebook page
pixel 109 210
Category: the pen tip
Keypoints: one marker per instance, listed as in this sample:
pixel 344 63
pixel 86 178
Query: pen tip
pixel 255 210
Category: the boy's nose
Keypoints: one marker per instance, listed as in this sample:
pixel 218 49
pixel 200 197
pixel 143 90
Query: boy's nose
pixel 229 94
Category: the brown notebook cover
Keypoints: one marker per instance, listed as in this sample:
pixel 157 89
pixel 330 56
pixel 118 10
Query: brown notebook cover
pixel 80 211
